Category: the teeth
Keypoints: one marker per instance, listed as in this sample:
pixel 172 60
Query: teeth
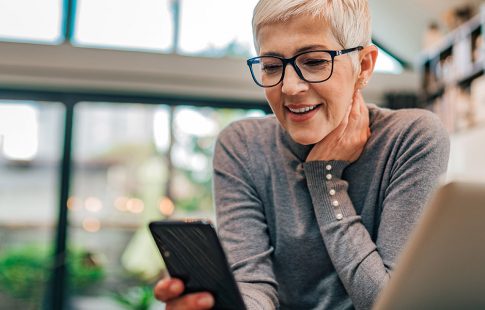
pixel 303 110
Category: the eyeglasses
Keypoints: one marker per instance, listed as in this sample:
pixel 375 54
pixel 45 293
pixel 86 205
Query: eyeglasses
pixel 311 66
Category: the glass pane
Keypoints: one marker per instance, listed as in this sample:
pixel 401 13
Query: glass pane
pixel 127 24
pixel 131 168
pixel 30 146
pixel 194 134
pixel 31 20
pixel 387 64
pixel 216 28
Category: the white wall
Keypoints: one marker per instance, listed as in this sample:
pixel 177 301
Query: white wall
pixel 467 155
pixel 68 68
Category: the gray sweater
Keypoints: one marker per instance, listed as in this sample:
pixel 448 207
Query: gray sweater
pixel 322 235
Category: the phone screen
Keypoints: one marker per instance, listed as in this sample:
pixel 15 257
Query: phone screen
pixel 192 252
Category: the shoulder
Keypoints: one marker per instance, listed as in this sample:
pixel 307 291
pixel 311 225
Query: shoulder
pixel 248 129
pixel 242 145
pixel 403 117
pixel 407 123
pixel 410 135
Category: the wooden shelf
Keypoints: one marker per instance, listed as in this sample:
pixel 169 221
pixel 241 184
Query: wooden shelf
pixel 449 69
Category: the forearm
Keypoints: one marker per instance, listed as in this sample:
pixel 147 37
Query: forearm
pixel 242 224
pixel 356 260
pixel 258 296
pixel 349 245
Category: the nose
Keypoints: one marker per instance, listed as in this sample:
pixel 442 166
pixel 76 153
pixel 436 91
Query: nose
pixel 292 84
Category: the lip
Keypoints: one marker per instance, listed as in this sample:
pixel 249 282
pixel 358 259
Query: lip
pixel 298 118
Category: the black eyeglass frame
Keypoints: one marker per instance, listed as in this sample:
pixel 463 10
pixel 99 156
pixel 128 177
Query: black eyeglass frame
pixel 291 61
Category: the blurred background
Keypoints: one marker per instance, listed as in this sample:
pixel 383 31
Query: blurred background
pixel 109 110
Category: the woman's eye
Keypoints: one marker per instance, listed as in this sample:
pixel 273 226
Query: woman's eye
pixel 272 68
pixel 316 62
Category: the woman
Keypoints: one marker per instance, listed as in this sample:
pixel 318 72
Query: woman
pixel 315 203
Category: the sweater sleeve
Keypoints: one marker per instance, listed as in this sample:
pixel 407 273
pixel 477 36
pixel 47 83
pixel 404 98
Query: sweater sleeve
pixel 241 222
pixel 363 265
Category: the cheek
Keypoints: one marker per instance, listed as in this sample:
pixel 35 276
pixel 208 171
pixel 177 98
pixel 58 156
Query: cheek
pixel 341 104
pixel 334 94
pixel 337 98
pixel 342 83
pixel 273 97
pixel 275 101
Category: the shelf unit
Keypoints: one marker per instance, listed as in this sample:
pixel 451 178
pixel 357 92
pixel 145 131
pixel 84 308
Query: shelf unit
pixel 452 76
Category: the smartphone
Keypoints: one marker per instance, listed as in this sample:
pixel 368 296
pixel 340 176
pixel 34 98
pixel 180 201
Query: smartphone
pixel 193 253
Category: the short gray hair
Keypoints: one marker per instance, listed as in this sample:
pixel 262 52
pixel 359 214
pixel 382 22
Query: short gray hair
pixel 349 20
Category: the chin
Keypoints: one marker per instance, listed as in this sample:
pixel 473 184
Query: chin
pixel 306 139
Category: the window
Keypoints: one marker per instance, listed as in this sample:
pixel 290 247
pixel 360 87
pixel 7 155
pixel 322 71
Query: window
pixel 135 163
pixel 30 148
pixel 126 24
pixel 387 64
pixel 216 28
pixel 31 20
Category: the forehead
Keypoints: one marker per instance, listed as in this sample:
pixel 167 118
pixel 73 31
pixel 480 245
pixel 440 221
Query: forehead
pixel 287 37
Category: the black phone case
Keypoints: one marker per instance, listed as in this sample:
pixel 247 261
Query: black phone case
pixel 192 252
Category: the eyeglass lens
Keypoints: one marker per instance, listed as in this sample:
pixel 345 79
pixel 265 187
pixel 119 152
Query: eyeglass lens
pixel 314 66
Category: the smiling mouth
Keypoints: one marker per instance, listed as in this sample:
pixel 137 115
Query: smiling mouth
pixel 304 109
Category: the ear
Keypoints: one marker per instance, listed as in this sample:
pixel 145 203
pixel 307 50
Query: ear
pixel 368 57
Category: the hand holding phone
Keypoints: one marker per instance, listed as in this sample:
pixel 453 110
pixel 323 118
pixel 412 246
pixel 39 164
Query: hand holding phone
pixel 169 290
pixel 192 253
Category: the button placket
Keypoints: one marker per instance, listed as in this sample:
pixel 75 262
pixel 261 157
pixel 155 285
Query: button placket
pixel 329 175
pixel 335 203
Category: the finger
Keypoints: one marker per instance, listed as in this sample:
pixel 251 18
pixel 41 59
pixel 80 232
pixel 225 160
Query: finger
pixel 365 122
pixel 355 115
pixel 356 106
pixel 364 110
pixel 337 133
pixel 358 128
pixel 362 105
pixel 168 288
pixel 342 127
pixel 196 301
pixel 345 120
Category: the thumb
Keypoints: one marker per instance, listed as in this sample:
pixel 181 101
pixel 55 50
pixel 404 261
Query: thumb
pixel 339 131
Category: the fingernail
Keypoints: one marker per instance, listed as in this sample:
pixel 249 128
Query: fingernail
pixel 175 287
pixel 206 301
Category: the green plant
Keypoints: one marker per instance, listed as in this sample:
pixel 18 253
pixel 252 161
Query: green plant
pixel 84 269
pixel 135 298
pixel 25 270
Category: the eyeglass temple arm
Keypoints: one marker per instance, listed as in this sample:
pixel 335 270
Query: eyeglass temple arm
pixel 349 50
pixel 253 61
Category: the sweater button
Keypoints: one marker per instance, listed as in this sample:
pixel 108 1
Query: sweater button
pixel 332 192
pixel 328 167
pixel 335 203
pixel 329 177
pixel 340 216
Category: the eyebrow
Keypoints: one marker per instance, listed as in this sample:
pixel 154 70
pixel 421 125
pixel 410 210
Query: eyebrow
pixel 300 50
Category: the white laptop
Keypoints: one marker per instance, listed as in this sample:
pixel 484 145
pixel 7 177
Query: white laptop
pixel 443 264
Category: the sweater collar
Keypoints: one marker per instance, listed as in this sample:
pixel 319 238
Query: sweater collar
pixel 299 150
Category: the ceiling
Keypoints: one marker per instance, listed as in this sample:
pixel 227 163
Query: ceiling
pixel 399 25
